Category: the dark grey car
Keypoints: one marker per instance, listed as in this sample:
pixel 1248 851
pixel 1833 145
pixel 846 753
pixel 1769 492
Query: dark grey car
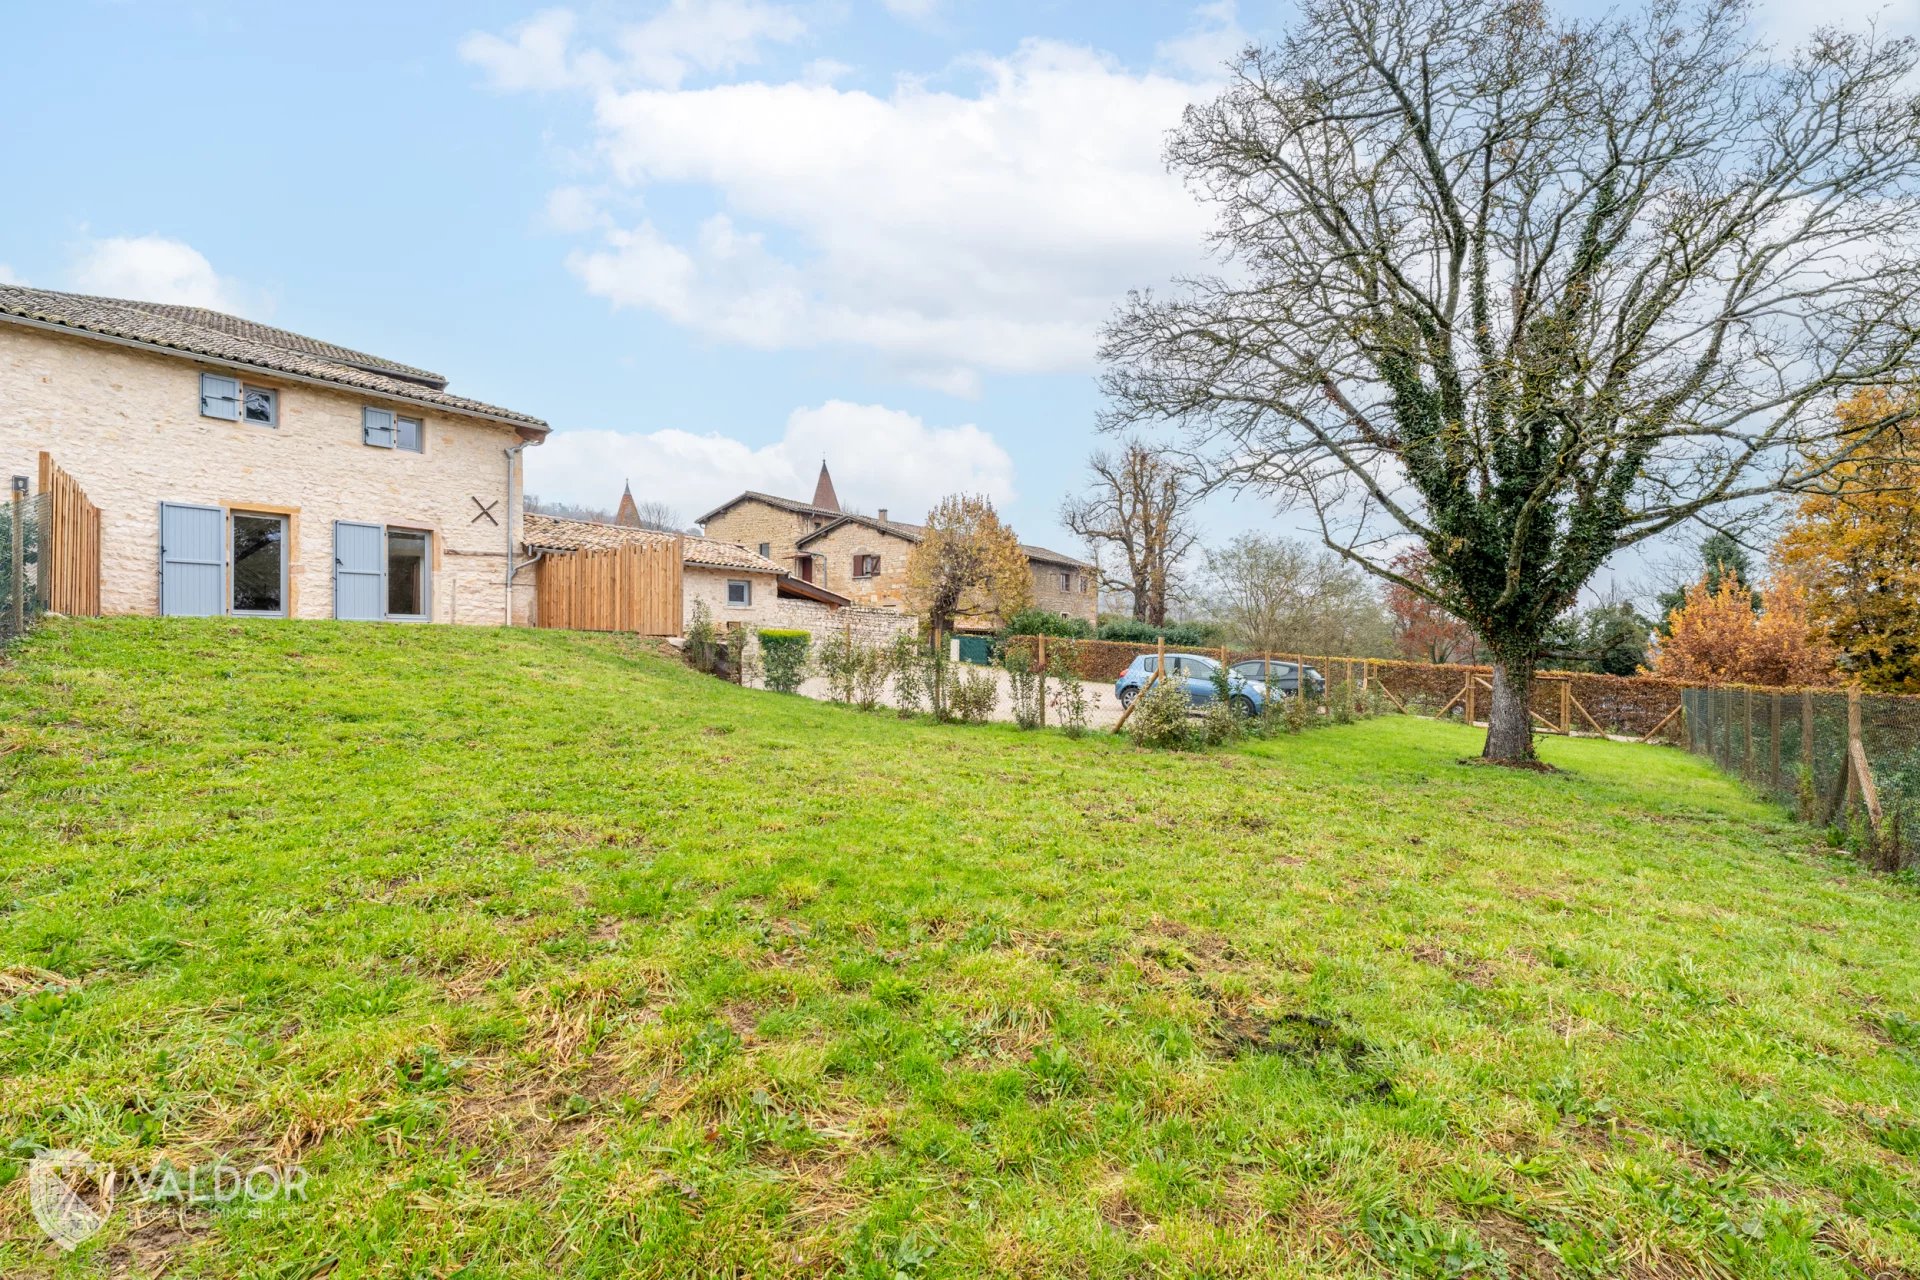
pixel 1281 677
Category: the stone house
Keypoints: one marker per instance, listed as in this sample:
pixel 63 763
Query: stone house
pixel 739 588
pixel 245 470
pixel 865 557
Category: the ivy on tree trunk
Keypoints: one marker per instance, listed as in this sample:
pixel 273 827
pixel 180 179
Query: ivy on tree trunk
pixel 1522 291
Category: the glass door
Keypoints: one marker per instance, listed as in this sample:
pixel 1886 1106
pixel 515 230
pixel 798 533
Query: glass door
pixel 259 560
pixel 407 567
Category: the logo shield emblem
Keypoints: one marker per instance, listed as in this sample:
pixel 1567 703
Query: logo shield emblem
pixel 56 1181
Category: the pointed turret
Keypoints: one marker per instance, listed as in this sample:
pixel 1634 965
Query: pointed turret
pixel 628 516
pixel 823 494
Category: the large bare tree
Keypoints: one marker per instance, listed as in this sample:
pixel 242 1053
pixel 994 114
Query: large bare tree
pixel 1532 290
pixel 1139 502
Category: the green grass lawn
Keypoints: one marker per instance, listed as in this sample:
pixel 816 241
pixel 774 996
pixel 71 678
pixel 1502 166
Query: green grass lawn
pixel 543 956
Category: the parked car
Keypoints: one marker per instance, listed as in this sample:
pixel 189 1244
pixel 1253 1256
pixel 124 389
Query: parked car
pixel 1196 673
pixel 1281 677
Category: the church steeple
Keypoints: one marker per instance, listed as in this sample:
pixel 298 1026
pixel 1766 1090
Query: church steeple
pixel 823 494
pixel 628 516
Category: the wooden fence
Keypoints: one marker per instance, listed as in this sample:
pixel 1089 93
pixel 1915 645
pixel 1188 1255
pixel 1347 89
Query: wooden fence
pixel 637 587
pixel 1563 702
pixel 72 571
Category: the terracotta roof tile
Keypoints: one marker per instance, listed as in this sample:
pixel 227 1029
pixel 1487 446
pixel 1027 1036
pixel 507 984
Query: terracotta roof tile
pixel 551 533
pixel 196 331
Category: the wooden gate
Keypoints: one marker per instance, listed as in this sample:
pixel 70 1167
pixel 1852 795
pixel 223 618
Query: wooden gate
pixel 636 587
pixel 73 544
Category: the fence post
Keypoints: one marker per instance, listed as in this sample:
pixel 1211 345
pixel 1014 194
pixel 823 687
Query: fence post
pixel 1566 707
pixel 1746 765
pixel 1773 741
pixel 1806 731
pixel 19 553
pixel 1040 674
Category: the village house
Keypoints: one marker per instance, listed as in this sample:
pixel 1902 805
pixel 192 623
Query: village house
pixel 736 587
pixel 864 558
pixel 245 470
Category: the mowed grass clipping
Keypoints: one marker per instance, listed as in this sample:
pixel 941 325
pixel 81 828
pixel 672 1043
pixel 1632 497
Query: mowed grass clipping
pixel 544 956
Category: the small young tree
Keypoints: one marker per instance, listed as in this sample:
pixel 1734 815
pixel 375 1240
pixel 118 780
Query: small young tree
pixel 1534 289
pixel 967 563
pixel 1139 503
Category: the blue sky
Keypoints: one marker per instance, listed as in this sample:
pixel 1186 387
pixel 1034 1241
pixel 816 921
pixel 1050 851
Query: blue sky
pixel 708 240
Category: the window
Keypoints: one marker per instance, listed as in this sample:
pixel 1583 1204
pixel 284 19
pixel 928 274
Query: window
pixel 258 581
pixel 376 428
pixel 407 574
pixel 1066 582
pixel 260 405
pixel 382 429
pixel 865 566
pixel 739 592
pixel 766 551
pixel 234 401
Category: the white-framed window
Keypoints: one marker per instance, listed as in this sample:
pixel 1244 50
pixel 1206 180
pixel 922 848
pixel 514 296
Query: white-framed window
pixel 739 593
pixel 766 551
pixel 1066 582
pixel 409 434
pixel 235 401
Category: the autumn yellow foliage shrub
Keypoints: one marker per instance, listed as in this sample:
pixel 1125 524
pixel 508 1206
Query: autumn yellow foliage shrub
pixel 1716 637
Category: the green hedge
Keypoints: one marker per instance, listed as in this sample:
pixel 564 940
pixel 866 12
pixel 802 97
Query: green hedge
pixel 783 652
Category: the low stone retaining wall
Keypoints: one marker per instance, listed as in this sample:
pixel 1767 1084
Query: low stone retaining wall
pixel 867 626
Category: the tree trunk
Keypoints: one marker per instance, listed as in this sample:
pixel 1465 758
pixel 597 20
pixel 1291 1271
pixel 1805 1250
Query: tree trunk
pixel 1509 721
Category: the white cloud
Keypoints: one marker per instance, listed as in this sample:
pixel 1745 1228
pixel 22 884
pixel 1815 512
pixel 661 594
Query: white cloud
pixel 682 38
pixel 7 276
pixel 1214 38
pixel 880 457
pixel 153 269
pixel 572 210
pixel 950 231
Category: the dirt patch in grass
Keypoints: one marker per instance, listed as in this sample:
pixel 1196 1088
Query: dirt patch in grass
pixel 1476 973
pixel 1523 766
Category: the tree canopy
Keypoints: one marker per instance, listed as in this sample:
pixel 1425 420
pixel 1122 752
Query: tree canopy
pixel 967 563
pixel 1532 289
pixel 1857 546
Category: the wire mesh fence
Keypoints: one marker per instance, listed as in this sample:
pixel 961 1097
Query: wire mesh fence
pixel 23 560
pixel 1839 759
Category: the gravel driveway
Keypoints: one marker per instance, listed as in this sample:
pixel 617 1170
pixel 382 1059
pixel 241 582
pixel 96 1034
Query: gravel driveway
pixel 1103 709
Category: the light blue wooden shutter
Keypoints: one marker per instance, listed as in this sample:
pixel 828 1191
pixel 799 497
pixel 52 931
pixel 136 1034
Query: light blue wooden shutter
pixel 376 428
pixel 193 561
pixel 359 571
pixel 219 397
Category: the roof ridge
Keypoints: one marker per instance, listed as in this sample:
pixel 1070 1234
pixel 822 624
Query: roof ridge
pixel 241 327
pixel 159 326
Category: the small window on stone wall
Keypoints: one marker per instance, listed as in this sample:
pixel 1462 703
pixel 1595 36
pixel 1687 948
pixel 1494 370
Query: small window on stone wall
pixel 739 592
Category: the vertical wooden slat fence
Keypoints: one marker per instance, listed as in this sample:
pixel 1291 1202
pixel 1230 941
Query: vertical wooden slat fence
pixel 637 587
pixel 73 544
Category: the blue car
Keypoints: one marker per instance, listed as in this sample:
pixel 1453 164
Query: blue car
pixel 1196 673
